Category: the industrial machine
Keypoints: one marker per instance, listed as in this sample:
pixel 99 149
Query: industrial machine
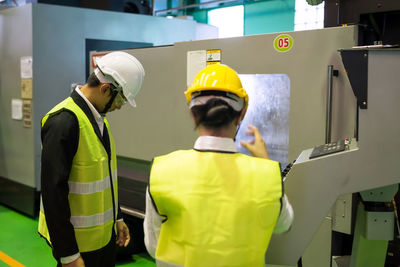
pixel 287 90
pixel 300 97
pixel 368 165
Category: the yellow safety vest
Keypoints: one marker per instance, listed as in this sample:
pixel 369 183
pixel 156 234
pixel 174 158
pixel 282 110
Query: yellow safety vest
pixel 90 196
pixel 220 208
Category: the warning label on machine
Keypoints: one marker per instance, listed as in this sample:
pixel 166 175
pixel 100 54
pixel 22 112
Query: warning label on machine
pixel 213 56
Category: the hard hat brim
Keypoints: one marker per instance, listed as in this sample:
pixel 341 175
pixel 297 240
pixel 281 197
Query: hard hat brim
pixel 131 101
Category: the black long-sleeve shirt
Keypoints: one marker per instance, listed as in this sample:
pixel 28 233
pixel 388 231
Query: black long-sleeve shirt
pixel 60 138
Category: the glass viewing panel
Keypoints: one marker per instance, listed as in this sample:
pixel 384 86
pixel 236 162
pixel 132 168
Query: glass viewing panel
pixel 269 104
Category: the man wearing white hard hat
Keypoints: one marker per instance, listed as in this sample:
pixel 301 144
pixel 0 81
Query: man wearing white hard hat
pixel 79 213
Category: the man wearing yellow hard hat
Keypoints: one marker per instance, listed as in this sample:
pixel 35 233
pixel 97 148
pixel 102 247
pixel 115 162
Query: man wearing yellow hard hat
pixel 211 206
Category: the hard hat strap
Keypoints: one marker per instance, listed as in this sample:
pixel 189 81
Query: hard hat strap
pixel 102 77
pixel 216 93
pixel 114 93
pixel 202 97
pixel 237 130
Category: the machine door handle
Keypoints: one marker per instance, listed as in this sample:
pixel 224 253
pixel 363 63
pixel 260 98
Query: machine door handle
pixel 328 126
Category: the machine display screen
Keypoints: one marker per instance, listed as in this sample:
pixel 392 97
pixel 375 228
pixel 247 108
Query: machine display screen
pixel 268 110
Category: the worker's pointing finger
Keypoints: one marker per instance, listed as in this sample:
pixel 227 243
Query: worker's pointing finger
pixel 256 132
pixel 244 144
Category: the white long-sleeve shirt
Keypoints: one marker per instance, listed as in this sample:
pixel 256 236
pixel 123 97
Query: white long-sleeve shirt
pixel 152 222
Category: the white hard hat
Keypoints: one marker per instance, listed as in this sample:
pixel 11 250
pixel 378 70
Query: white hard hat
pixel 125 70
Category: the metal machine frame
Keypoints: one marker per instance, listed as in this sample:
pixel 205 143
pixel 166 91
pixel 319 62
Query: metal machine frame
pixel 372 162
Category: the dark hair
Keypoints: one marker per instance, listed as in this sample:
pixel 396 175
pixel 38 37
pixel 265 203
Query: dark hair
pixel 215 113
pixel 93 81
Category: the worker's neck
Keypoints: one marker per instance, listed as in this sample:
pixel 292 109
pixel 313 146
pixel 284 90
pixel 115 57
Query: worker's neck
pixel 227 132
pixel 88 92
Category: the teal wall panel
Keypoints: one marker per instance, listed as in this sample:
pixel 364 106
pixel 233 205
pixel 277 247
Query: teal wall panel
pixel 269 16
pixel 266 16
pixel 201 15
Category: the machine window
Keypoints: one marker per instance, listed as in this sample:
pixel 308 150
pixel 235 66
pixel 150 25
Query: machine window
pixel 269 104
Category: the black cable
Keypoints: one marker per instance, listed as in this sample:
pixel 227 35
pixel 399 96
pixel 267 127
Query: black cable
pixel 383 26
pixel 300 262
pixel 357 121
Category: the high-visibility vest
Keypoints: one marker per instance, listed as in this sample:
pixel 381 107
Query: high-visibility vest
pixel 90 192
pixel 220 208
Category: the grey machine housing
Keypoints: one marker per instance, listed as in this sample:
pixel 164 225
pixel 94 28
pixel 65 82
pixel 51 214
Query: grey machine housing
pixel 317 105
pixel 288 94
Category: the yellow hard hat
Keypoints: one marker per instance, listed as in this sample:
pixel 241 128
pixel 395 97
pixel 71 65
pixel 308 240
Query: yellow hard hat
pixel 217 77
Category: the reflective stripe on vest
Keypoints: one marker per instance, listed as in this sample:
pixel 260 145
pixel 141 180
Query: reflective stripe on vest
pixel 92 220
pixel 87 221
pixel 221 208
pixel 90 196
pixel 92 187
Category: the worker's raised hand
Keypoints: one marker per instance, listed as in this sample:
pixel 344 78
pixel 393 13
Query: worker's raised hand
pixel 123 236
pixel 76 263
pixel 256 147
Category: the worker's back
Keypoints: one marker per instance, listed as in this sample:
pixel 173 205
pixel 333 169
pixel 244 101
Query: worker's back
pixel 220 208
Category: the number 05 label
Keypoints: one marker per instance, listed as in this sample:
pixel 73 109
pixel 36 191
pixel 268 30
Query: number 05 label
pixel 283 43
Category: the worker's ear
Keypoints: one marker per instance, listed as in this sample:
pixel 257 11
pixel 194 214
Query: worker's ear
pixel 104 88
pixel 194 118
pixel 192 115
pixel 241 117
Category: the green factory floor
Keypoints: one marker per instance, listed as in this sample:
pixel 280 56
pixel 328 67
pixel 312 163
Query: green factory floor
pixel 21 245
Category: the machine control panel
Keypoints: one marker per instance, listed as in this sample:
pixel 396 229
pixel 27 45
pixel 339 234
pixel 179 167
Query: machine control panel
pixel 330 148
